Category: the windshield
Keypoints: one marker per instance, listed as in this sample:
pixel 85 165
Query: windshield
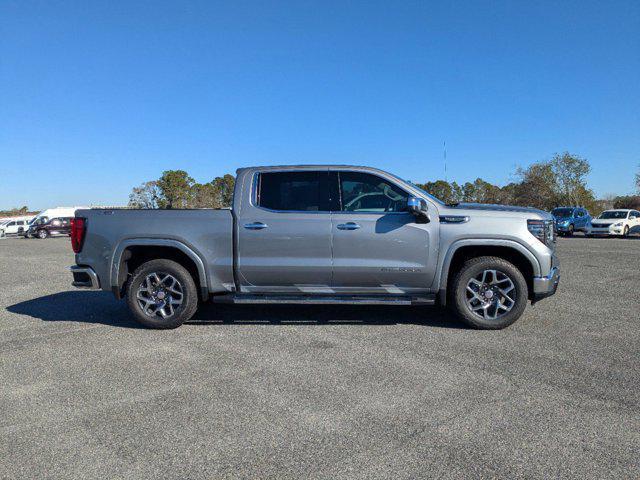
pixel 613 214
pixel 562 212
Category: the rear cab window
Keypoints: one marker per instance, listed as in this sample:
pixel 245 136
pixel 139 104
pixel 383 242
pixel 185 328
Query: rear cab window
pixel 296 191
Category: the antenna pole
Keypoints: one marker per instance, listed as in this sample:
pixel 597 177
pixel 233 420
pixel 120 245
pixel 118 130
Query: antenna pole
pixel 445 160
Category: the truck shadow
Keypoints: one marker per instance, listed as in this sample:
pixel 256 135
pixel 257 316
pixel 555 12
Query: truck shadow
pixel 101 308
pixel 77 306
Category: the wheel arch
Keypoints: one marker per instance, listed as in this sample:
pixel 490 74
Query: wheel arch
pixel 131 253
pixel 462 250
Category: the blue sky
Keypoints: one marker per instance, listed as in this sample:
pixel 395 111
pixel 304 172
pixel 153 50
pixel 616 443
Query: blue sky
pixel 97 97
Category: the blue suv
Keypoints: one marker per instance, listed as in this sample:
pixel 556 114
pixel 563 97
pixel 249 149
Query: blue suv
pixel 571 219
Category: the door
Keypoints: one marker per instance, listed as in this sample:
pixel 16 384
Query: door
pixel 634 221
pixel 579 221
pixel 284 233
pixel 378 246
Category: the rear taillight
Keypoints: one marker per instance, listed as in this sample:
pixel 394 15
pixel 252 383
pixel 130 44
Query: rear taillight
pixel 78 229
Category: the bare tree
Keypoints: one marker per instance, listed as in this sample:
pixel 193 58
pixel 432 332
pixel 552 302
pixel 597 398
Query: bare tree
pixel 146 195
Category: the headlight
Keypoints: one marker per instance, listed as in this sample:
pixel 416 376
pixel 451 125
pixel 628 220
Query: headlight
pixel 619 224
pixel 543 230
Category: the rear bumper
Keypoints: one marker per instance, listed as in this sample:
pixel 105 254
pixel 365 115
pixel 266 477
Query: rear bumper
pixel 546 286
pixel 84 277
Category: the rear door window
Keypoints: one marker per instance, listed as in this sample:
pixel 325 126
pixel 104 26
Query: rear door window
pixel 299 191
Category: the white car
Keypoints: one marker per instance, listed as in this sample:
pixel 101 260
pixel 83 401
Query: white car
pixel 615 222
pixel 14 226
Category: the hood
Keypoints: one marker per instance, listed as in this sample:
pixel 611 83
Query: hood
pixel 488 207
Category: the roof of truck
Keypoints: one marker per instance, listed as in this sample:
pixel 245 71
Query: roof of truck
pixel 306 167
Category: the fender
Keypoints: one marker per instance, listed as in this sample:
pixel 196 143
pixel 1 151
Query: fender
pixel 157 242
pixel 443 273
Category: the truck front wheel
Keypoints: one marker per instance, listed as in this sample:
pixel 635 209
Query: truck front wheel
pixel 162 294
pixel 489 293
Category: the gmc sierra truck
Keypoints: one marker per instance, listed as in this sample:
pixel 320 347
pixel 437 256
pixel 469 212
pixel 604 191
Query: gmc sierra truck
pixel 325 235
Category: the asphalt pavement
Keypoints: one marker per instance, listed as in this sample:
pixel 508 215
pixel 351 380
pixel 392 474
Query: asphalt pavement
pixel 319 392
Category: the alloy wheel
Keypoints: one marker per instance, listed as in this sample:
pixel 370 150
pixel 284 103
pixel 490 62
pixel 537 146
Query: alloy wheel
pixel 160 294
pixel 491 294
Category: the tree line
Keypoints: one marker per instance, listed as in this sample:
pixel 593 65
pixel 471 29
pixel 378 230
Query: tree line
pixel 562 180
pixel 176 189
pixel 17 212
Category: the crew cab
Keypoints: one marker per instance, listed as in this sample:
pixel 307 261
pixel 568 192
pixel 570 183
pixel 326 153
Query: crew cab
pixel 325 235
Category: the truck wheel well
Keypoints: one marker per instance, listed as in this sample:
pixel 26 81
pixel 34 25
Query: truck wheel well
pixel 134 256
pixel 510 254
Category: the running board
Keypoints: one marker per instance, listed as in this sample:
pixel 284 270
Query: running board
pixel 252 299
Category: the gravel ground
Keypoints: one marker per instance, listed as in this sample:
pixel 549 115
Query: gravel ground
pixel 320 392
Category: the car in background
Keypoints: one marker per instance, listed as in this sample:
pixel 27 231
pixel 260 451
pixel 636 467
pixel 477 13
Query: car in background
pixel 615 222
pixel 44 227
pixel 47 215
pixel 571 219
pixel 14 227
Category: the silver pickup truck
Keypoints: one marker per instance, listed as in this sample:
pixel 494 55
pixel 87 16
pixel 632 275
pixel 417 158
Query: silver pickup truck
pixel 320 234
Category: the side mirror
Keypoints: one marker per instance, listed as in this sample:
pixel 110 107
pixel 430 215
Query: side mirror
pixel 418 207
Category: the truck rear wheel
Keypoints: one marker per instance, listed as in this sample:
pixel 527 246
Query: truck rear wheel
pixel 489 293
pixel 162 294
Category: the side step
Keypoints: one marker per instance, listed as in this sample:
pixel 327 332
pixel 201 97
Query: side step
pixel 252 299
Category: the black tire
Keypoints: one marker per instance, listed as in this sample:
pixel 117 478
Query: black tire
pixel 474 268
pixel 189 301
pixel 625 232
pixel 42 234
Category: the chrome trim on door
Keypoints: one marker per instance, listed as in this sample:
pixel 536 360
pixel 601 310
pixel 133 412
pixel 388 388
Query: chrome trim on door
pixel 348 226
pixel 255 226
pixel 454 218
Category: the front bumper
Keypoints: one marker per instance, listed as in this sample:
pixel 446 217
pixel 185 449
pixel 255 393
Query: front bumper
pixel 606 231
pixel 84 277
pixel 546 286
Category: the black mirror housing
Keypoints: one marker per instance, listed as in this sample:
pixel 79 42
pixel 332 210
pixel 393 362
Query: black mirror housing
pixel 418 207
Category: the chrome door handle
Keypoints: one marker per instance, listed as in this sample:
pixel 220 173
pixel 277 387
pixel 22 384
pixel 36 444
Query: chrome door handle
pixel 348 226
pixel 255 226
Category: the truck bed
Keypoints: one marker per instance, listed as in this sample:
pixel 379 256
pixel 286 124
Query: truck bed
pixel 208 233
